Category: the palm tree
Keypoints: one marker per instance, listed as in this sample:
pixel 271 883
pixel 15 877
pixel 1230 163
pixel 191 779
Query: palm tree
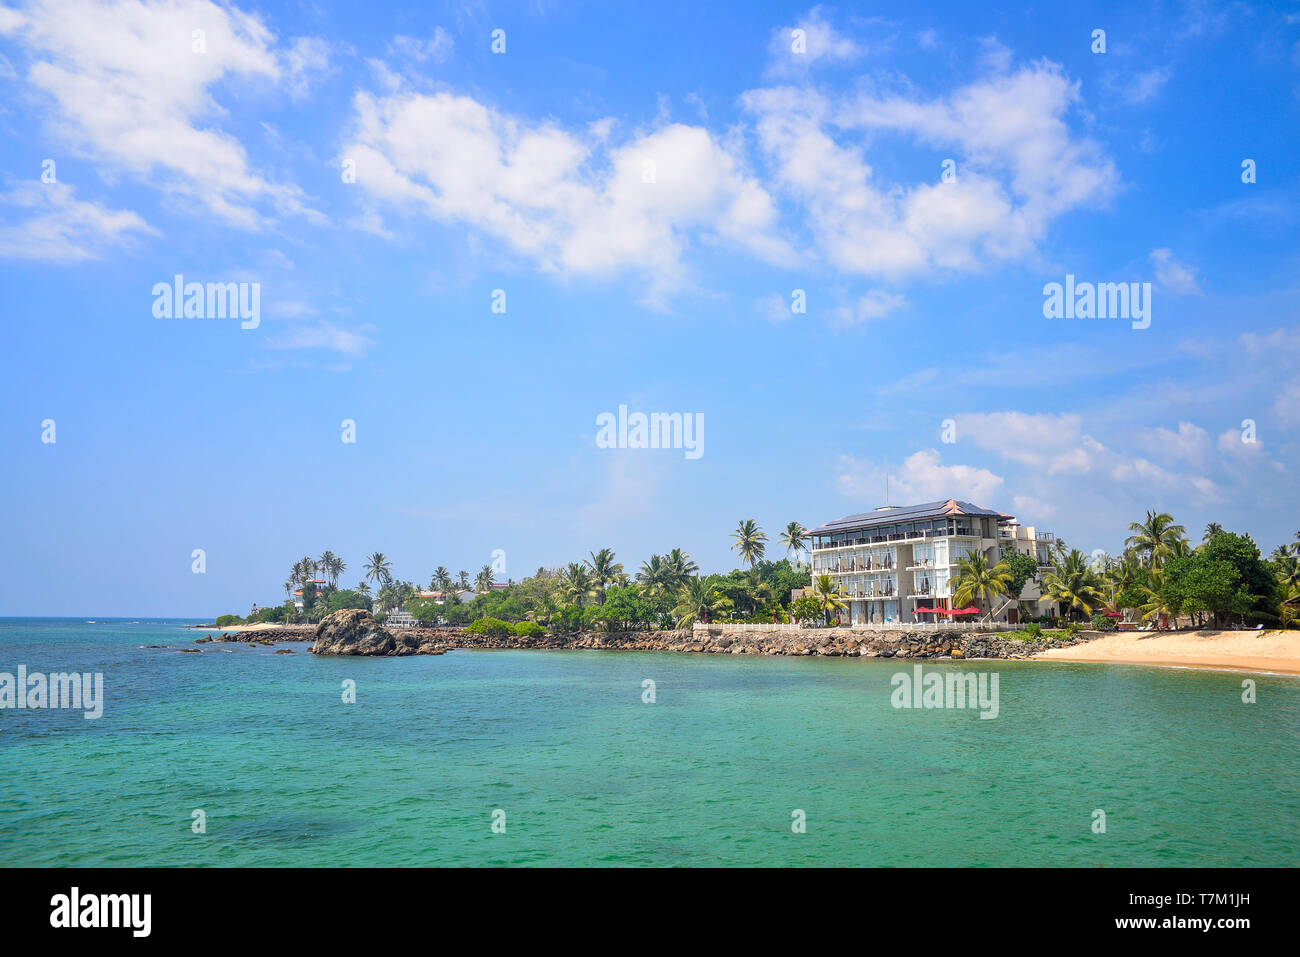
pixel 326 564
pixel 978 581
pixel 750 541
pixel 679 568
pixel 363 587
pixel 304 570
pixel 698 601
pixel 1072 583
pixel 462 581
pixel 545 610
pixel 576 584
pixel 1156 537
pixel 1212 529
pixel 652 575
pixel 484 580
pixel 1288 571
pixel 441 580
pixel 1155 606
pixel 794 538
pixel 760 592
pixel 830 597
pixel 379 568
pixel 603 570
pixel 1122 574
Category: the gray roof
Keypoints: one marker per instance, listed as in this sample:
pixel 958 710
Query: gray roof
pixel 906 513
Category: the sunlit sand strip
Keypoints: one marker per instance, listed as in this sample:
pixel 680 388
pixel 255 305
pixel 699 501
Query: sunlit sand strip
pixel 1276 652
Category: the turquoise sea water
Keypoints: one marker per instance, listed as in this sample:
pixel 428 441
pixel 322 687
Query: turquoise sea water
pixel 586 773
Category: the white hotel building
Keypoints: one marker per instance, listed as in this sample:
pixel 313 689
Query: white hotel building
pixel 895 559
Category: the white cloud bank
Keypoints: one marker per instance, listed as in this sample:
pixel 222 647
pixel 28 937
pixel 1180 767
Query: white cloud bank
pixel 572 202
pixel 132 91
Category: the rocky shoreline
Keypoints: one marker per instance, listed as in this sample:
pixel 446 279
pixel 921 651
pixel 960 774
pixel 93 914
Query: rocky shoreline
pixel 355 632
pixel 262 636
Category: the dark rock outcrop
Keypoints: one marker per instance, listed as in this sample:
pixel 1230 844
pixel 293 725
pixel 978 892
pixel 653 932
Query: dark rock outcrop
pixel 353 631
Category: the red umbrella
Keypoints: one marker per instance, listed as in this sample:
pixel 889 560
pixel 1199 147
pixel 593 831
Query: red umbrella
pixel 969 610
pixel 928 611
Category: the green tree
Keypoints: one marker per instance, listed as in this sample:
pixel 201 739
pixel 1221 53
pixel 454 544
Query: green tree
pixel 441 580
pixel 331 567
pixel 750 541
pixel 679 568
pixel 795 539
pixel 379 569
pixel 1074 584
pixel 1156 538
pixel 576 585
pixel 347 598
pixel 603 571
pixel 829 596
pixel 625 609
pixel 1023 569
pixel 806 608
pixel 1225 577
pixel 698 601
pixel 978 581
pixel 653 575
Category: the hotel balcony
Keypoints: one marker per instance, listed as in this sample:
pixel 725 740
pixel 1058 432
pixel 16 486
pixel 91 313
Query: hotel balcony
pixel 851 568
pixel 876 540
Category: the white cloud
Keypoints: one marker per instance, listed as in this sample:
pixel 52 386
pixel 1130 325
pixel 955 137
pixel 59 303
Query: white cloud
pixel 321 335
pixel 1191 443
pixel 1264 345
pixel 876 304
pixel 1232 442
pixel 570 201
pixel 1142 473
pixel 62 228
pixel 436 47
pixel 1173 275
pixel 1018 168
pixel 11 20
pixel 306 59
pixel 132 92
pixel 1286 404
pixel 1050 442
pixel 774 307
pixel 822 44
pixel 1145 86
pixel 1030 510
pixel 1058 454
pixel 921 478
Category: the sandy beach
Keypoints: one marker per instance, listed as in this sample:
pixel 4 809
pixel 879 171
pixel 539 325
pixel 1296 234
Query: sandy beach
pixel 1258 651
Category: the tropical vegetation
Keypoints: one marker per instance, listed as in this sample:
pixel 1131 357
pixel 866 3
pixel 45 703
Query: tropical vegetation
pixel 1159 578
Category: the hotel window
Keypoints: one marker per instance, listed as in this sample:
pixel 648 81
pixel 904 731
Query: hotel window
pixel 959 550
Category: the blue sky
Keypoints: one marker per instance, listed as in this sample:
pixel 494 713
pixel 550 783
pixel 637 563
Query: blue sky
pixel 527 171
